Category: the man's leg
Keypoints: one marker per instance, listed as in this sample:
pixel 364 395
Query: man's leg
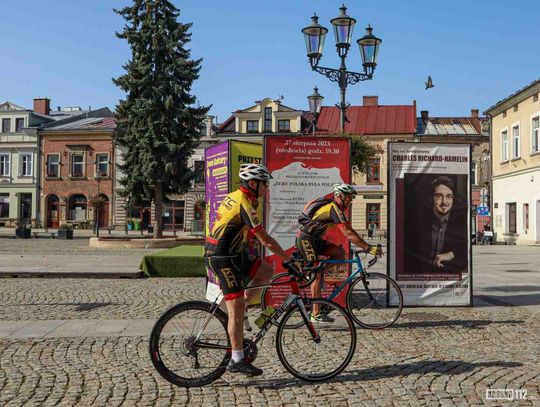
pixel 235 326
pixel 333 252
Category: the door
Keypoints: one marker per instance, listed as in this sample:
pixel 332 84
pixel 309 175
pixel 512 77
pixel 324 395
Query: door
pixel 103 215
pixel 52 211
pixel 25 208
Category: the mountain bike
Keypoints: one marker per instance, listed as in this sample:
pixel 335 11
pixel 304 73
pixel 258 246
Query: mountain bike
pixel 368 295
pixel 189 344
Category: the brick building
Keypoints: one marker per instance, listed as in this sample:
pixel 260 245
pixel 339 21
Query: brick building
pixel 78 168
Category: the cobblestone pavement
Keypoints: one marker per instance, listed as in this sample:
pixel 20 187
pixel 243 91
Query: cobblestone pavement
pixel 430 357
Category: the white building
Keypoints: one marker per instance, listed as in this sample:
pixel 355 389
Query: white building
pixel 515 158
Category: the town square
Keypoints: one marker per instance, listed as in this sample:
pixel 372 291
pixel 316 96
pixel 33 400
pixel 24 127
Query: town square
pixel 284 204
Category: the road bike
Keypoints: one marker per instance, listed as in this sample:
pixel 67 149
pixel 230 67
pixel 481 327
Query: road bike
pixel 189 344
pixel 369 294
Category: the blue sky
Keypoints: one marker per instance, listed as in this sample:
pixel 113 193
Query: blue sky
pixel 477 52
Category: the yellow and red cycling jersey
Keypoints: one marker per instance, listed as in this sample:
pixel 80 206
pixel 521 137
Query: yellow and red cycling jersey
pixel 236 217
pixel 320 215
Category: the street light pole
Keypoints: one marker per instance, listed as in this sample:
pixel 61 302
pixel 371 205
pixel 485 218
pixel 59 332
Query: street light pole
pixel 97 208
pixel 315 103
pixel 369 45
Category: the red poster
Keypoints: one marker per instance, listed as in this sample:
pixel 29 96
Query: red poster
pixel 304 168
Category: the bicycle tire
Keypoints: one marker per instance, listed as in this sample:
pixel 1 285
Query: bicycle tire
pixel 281 292
pixel 178 346
pixel 334 349
pixel 367 312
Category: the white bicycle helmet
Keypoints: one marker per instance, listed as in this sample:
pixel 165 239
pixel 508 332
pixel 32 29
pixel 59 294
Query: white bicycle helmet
pixel 256 172
pixel 345 189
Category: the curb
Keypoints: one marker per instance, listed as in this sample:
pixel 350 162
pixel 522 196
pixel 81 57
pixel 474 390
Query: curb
pixel 56 274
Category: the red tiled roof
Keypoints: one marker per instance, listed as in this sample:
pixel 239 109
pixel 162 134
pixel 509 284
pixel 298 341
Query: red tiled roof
pixel 393 119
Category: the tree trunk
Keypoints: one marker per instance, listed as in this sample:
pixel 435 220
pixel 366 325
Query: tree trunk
pixel 158 202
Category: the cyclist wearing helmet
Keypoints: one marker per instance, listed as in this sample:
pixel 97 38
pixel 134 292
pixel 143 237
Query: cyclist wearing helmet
pixel 227 255
pixel 317 217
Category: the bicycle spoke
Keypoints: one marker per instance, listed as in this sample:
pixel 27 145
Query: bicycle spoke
pixel 369 298
pixel 308 359
pixel 183 359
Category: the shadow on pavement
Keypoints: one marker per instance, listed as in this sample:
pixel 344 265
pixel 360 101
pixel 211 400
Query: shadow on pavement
pixel 440 367
pixel 507 300
pixel 473 323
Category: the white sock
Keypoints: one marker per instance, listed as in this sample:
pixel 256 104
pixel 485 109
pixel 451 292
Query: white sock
pixel 237 355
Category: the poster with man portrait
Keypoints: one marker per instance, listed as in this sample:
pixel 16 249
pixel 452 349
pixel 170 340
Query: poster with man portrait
pixel 429 239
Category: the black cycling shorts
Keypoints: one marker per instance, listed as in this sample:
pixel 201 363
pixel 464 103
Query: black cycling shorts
pixel 233 272
pixel 311 247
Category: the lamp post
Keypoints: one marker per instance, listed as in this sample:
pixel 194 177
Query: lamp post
pixel 97 208
pixel 343 24
pixel 315 102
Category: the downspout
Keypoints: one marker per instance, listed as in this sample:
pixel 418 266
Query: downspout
pixel 490 174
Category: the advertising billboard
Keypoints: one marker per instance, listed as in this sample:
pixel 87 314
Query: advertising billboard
pixel 429 243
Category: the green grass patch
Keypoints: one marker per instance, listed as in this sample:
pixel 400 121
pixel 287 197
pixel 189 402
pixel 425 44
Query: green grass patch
pixel 181 261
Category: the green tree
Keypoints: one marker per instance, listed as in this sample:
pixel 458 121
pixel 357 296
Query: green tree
pixel 158 125
pixel 361 151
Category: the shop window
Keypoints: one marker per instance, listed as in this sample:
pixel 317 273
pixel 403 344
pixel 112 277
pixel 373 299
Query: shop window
pixel 511 217
pixel 373 215
pixel 77 207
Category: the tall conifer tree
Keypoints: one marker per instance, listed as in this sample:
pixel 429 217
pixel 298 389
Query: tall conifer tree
pixel 158 125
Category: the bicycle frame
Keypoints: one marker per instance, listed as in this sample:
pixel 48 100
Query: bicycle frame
pixel 293 298
pixel 359 270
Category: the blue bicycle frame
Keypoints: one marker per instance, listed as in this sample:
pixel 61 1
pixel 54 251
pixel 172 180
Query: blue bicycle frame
pixel 359 270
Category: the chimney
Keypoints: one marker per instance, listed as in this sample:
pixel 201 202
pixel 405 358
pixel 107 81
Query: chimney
pixel 42 106
pixel 371 101
pixel 474 112
pixel 424 114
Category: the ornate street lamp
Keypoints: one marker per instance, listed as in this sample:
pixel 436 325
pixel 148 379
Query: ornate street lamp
pixel 314 35
pixel 343 28
pixel 315 103
pixel 369 48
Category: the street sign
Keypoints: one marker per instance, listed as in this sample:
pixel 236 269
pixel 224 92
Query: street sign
pixel 482 210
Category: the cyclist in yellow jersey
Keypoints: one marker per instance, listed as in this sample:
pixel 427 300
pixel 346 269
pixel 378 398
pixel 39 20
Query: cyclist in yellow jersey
pixel 317 217
pixel 227 255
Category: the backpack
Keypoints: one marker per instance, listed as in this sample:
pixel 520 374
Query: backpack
pixel 312 207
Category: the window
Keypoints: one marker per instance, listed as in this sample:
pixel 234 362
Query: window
pixel 4 205
pixel 535 126
pixel 77 165
pixel 26 165
pixel 53 165
pixel 77 207
pixel 267 119
pixel 473 173
pixel 373 215
pixel 102 165
pixel 6 125
pixel 374 170
pixel 511 216
pixel 252 126
pixel 4 165
pixel 284 126
pixel 515 142
pixel 198 167
pixel 504 146
pixel 526 216
pixel 19 124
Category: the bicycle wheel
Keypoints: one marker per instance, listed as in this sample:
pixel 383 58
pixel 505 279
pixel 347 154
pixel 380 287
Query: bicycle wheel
pixel 316 361
pixel 275 295
pixel 367 301
pixel 174 344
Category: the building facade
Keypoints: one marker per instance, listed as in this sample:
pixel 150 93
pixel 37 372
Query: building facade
pixel 378 124
pixel 515 159
pixel 19 162
pixel 77 171
pixel 472 130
